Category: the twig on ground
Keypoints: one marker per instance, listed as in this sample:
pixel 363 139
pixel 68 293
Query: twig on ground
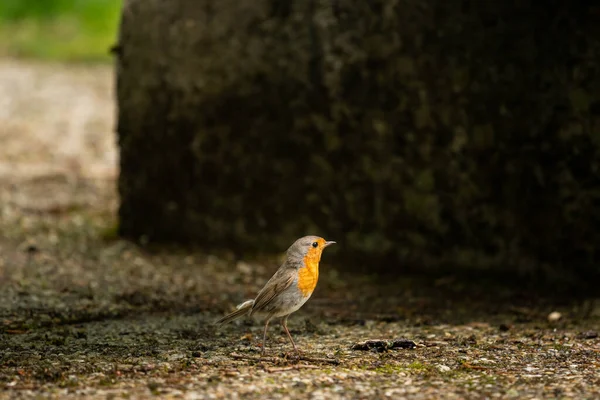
pixel 292 367
pixel 477 367
pixel 252 358
pixel 294 358
pixel 334 361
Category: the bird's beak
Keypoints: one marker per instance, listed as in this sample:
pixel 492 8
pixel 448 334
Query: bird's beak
pixel 329 243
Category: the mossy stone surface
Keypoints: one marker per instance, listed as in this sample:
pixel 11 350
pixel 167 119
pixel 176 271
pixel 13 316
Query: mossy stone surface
pixel 415 134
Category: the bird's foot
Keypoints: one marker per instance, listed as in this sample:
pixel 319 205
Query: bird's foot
pixel 293 355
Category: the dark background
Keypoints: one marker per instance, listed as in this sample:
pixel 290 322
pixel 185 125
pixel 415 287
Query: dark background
pixel 421 136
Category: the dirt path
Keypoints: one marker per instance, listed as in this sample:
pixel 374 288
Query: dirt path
pixel 56 118
pixel 83 314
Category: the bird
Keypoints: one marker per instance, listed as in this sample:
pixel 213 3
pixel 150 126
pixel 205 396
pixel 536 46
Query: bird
pixel 288 289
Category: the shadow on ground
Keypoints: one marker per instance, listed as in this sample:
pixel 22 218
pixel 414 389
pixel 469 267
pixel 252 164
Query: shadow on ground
pixel 85 314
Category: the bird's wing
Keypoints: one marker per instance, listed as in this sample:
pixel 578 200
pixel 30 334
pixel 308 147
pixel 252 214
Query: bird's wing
pixel 282 280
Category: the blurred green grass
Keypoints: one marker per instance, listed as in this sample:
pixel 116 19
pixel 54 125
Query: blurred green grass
pixel 65 30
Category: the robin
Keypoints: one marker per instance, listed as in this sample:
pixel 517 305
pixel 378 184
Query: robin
pixel 289 288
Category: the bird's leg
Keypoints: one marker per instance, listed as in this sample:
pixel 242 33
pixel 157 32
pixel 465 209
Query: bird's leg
pixel 284 324
pixel 265 336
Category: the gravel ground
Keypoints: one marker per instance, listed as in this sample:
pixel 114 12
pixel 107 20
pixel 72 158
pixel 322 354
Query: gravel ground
pixel 83 314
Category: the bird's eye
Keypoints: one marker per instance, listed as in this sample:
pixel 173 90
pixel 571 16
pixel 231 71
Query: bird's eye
pixel 315 245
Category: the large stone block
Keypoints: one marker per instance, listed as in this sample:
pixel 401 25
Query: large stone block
pixel 423 133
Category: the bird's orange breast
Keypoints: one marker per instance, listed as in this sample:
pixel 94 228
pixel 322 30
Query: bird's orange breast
pixel 308 275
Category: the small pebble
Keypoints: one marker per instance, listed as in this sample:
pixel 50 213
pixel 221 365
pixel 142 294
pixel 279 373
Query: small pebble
pixel 379 345
pixel 402 343
pixel 443 368
pixel 554 316
pixel 588 335
pixel 373 345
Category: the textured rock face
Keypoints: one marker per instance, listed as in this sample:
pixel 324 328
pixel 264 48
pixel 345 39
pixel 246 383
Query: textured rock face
pixel 428 132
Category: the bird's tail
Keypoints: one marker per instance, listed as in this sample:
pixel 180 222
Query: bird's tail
pixel 242 310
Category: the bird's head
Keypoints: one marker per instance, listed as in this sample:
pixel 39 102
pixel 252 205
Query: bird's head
pixel 310 247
